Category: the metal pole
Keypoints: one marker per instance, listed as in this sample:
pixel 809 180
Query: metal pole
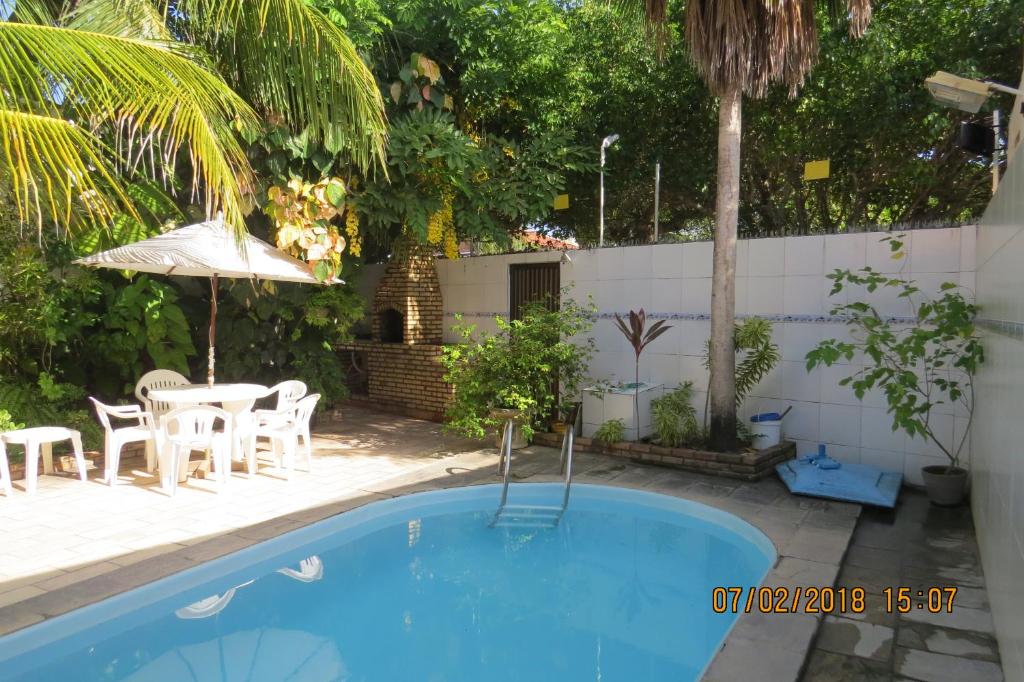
pixel 657 196
pixel 995 151
pixel 213 329
pixel 600 233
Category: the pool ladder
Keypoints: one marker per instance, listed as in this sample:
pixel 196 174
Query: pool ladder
pixel 533 515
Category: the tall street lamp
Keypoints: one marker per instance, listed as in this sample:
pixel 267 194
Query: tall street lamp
pixel 968 95
pixel 605 143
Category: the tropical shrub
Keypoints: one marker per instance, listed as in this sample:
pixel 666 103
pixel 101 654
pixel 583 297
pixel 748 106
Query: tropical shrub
pixel 674 418
pixel 918 366
pixel 7 422
pixel 68 332
pixel 287 331
pixel 756 355
pixel 525 366
pixel 612 431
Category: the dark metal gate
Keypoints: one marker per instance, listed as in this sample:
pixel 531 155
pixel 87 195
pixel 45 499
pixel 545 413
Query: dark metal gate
pixel 529 282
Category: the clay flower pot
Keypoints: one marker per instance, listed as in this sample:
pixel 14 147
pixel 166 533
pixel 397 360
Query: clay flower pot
pixel 945 485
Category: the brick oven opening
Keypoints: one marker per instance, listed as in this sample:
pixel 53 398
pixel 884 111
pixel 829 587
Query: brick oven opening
pixel 392 326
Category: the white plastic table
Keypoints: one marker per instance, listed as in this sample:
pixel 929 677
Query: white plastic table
pixel 237 399
pixel 34 440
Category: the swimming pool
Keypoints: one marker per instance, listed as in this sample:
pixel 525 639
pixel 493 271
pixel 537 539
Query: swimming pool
pixel 421 588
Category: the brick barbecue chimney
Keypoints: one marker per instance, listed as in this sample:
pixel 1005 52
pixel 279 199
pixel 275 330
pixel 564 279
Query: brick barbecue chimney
pixel 407 307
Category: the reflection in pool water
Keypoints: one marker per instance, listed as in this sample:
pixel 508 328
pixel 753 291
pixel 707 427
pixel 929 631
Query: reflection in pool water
pixel 420 588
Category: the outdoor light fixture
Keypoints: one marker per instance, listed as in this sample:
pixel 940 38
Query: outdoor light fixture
pixel 956 92
pixel 565 259
pixel 967 94
pixel 605 143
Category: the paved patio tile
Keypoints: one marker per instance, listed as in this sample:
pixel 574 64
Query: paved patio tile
pixel 931 667
pixel 825 666
pixel 77 575
pixel 873 557
pixel 742 660
pixel 791 571
pixel 826 545
pixel 20 594
pixel 946 575
pixel 789 631
pixel 870 579
pixel 961 618
pixel 856 638
pixel 941 640
pixel 918 546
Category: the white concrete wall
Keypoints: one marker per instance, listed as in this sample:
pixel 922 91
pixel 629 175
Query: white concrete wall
pixel 782 279
pixel 997 496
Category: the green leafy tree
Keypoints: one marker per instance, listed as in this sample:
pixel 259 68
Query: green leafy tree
pixel 920 366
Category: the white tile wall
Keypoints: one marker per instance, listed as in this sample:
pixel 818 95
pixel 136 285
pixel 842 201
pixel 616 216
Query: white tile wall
pixel 778 276
pixel 697 259
pixel 997 437
pixel 767 258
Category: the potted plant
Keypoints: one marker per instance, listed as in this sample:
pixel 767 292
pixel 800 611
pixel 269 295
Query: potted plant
pixel 930 362
pixel 518 372
pixel 561 421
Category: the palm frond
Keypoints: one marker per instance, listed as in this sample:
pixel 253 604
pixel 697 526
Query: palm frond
pixel 859 13
pixel 35 11
pixel 57 168
pixel 289 59
pixel 126 18
pixel 155 102
pixel 752 44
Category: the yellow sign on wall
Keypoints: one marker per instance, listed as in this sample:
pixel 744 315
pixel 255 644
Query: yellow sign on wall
pixel 816 170
pixel 561 202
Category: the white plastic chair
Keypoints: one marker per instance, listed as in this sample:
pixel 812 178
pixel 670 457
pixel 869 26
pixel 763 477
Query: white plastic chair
pixel 143 431
pixel 158 378
pixel 284 430
pixel 192 428
pixel 288 393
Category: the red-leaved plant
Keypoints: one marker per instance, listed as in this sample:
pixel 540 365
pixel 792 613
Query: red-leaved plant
pixel 639 339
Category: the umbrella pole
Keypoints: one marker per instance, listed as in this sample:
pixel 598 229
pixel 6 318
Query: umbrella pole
pixel 213 329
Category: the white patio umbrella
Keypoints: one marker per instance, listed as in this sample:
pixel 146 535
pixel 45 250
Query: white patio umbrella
pixel 207 249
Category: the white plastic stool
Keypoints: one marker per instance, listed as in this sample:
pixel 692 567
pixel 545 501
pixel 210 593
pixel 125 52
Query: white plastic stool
pixel 34 440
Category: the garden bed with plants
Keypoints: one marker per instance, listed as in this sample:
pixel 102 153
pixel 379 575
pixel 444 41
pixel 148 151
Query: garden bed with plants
pixel 748 465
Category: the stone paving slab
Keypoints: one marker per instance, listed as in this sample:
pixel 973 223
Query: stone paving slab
pixel 74 544
pixel 917 546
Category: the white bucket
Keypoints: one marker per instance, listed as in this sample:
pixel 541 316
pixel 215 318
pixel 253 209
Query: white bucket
pixel 766 433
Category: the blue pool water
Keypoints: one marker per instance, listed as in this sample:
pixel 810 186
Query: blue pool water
pixel 421 589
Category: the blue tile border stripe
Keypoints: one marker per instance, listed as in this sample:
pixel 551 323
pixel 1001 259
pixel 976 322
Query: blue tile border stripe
pixel 820 319
pixel 1009 328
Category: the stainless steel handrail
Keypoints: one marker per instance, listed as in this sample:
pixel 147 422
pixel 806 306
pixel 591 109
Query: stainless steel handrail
pixel 506 461
pixel 565 464
pixel 567 443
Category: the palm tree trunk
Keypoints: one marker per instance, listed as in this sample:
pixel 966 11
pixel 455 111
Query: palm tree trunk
pixel 722 386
